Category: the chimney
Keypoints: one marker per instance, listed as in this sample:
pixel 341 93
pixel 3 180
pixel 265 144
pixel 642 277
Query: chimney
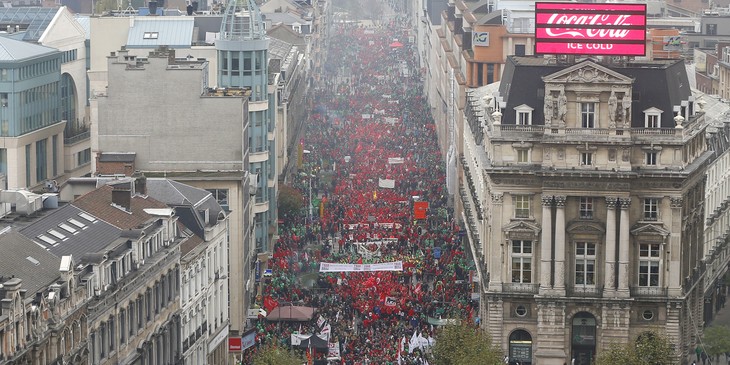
pixel 152 5
pixel 170 56
pixel 190 9
pixel 9 29
pixel 122 196
pixel 17 28
pixel 140 183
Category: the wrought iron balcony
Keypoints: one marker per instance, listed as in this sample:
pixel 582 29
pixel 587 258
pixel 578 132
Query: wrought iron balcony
pixel 525 288
pixel 648 291
pixel 584 291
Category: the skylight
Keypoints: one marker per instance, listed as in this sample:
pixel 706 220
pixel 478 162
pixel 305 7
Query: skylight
pixel 87 217
pixel 76 223
pixel 47 240
pixel 33 261
pixel 150 35
pixel 67 228
pixel 56 234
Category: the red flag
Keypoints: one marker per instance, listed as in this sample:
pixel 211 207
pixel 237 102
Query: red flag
pixel 419 210
pixel 270 303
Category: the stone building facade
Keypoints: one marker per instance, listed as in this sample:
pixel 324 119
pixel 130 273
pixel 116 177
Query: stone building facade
pixel 583 200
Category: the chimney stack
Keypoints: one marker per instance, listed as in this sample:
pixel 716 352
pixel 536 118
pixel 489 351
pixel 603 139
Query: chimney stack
pixel 122 195
pixel 140 183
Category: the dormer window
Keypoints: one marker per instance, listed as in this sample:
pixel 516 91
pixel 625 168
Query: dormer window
pixel 523 115
pixel 652 118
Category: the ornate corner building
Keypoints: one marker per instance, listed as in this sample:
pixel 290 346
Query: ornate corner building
pixel 583 193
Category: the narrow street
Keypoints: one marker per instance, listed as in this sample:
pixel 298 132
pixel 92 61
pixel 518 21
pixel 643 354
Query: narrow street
pixel 380 269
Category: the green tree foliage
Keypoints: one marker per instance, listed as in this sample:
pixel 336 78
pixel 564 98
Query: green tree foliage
pixel 650 348
pixel 717 340
pixel 273 355
pixel 465 344
pixel 291 202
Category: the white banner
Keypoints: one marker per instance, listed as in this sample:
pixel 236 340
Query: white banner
pixel 334 350
pixel 395 160
pixel 391 120
pixel 384 266
pixel 386 183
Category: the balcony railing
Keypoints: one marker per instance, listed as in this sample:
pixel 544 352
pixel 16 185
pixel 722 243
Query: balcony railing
pixel 525 288
pixel 584 291
pixel 648 291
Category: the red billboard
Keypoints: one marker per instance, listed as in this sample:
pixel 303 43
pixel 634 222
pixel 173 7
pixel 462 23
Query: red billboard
pixel 235 344
pixel 590 29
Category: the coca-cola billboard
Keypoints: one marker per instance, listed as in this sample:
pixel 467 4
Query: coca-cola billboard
pixel 590 29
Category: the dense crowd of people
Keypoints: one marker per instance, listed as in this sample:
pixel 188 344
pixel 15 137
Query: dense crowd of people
pixel 371 153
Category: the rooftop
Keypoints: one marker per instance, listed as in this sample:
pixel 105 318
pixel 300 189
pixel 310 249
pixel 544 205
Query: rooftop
pixel 23 259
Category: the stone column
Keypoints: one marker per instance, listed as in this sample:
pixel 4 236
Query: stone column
pixel 559 284
pixel 624 246
pixel 609 285
pixel 545 242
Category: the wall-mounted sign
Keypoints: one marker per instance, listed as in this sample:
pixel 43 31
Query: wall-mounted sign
pixel 672 43
pixel 615 29
pixel 480 39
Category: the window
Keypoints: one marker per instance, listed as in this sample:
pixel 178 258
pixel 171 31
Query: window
pixel 523 155
pixel 651 209
pixel 585 263
pixel 588 115
pixel 150 35
pixel 652 121
pixel 586 158
pixel 521 311
pixel 649 264
pixel 648 315
pixel 586 207
pixel 710 29
pixel 522 206
pixel 521 261
pixel 523 118
pixel 523 114
pixel 221 196
pixel 651 158
pixel 27 165
pixel 54 154
pixel 83 157
pixel 519 49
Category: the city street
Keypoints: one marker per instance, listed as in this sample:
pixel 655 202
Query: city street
pixel 369 166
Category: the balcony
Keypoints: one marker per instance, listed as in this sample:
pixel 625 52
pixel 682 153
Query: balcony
pixel 523 288
pixel 584 291
pixel 648 291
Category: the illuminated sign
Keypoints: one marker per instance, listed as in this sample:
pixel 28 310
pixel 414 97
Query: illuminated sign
pixel 480 39
pixel 590 29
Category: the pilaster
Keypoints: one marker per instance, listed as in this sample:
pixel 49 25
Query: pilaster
pixel 546 243
pixel 624 247
pixel 559 284
pixel 609 286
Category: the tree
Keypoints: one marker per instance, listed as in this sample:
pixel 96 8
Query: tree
pixel 291 202
pixel 465 344
pixel 273 355
pixel 717 340
pixel 650 348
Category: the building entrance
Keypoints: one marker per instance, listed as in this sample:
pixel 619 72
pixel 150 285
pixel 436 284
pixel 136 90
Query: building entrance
pixel 583 338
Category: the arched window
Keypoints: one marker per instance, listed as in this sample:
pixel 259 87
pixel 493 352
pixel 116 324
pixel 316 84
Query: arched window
pixel 520 347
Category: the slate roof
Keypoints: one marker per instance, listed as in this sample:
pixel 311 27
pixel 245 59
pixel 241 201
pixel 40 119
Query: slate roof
pixel 25 260
pixel 34 20
pixel 89 236
pixel 660 84
pixel 175 32
pixel 99 203
pixel 15 50
pixel 189 202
